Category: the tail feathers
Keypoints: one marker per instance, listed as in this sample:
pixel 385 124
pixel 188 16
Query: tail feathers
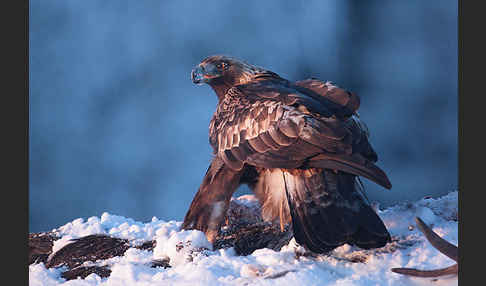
pixel 372 232
pixel 327 211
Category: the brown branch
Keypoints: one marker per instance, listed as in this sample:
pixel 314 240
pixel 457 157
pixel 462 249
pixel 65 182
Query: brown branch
pixel 451 270
pixel 441 245
pixel 450 250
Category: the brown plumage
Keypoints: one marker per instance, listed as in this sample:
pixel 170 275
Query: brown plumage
pixel 298 145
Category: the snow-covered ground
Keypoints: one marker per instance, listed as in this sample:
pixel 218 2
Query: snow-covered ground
pixel 197 264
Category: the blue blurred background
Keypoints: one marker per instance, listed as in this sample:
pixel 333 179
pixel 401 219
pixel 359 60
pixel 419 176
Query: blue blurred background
pixel 116 124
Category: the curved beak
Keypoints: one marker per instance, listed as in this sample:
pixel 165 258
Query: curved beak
pixel 203 73
pixel 197 75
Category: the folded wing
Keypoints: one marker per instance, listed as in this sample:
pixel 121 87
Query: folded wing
pixel 285 127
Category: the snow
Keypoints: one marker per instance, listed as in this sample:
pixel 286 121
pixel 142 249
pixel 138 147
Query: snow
pixel 194 262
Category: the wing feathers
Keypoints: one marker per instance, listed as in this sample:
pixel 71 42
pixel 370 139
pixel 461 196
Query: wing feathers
pixel 279 137
pixel 289 128
pixel 268 140
pixel 348 101
pixel 239 154
pixel 258 144
pixel 266 127
pixel 354 164
pixel 275 125
pixel 208 208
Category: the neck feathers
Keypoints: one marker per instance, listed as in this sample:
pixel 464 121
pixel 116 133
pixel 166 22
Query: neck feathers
pixel 222 85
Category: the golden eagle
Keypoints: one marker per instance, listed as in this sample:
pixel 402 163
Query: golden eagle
pixel 299 146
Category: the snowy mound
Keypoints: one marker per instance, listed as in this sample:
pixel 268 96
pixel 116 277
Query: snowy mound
pixel 193 261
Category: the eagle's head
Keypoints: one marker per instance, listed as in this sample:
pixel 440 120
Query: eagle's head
pixel 224 72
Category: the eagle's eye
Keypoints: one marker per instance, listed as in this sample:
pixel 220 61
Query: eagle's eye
pixel 221 66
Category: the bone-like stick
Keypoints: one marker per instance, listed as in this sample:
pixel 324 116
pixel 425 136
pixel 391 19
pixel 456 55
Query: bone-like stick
pixel 427 273
pixel 441 245
pixel 438 242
